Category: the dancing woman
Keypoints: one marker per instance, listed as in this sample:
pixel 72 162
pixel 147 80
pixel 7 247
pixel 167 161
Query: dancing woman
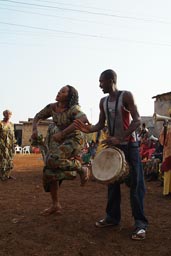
pixel 63 144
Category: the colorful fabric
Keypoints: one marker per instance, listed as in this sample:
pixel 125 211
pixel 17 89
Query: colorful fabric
pixel 50 175
pixel 167 183
pixel 7 141
pixel 151 166
pixel 102 136
pixel 145 151
pixel 166 165
pixel 60 158
pixel 166 159
pixel 86 158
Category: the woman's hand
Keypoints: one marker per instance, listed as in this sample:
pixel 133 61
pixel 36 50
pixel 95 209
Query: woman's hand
pixel 84 127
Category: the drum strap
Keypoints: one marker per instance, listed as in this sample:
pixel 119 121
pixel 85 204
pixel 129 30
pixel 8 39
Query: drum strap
pixel 112 131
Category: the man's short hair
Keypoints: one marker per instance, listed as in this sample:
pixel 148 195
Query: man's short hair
pixel 110 74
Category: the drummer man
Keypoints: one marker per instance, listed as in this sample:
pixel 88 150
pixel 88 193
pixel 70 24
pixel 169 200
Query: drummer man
pixel 122 116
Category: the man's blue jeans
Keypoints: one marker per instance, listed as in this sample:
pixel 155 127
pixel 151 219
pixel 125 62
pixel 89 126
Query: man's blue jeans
pixel 137 190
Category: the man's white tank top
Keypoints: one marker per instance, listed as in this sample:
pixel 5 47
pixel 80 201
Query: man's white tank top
pixel 118 120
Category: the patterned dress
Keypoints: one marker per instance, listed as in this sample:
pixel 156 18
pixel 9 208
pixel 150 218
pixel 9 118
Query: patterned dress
pixel 61 159
pixel 166 159
pixel 7 141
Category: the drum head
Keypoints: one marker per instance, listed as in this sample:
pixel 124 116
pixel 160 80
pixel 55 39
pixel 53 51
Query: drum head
pixel 107 165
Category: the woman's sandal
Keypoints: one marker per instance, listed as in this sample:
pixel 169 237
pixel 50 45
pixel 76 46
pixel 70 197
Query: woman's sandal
pixel 139 234
pixel 85 175
pixel 51 210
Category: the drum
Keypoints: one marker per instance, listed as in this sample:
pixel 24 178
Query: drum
pixel 109 165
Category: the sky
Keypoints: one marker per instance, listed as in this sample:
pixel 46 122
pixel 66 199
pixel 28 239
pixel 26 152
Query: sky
pixel 45 45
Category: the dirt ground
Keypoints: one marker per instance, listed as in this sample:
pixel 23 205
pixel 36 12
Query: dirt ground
pixel 23 231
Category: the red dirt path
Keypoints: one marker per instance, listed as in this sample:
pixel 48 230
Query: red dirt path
pixel 23 231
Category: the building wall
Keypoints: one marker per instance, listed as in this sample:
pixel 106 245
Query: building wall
pixel 18 133
pixel 27 131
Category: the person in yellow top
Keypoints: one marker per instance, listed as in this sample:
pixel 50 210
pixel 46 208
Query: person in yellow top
pixel 165 141
pixel 98 137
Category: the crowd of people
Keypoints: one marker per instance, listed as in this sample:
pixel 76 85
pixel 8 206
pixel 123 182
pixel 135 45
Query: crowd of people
pixel 150 152
pixel 155 155
pixel 66 154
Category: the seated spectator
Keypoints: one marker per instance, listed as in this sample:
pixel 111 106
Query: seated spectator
pixel 158 153
pixel 86 156
pixel 144 133
pixel 151 164
pixel 147 148
pixel 93 147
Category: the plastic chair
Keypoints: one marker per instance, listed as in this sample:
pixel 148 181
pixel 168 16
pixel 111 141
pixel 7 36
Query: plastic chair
pixel 26 150
pixel 18 149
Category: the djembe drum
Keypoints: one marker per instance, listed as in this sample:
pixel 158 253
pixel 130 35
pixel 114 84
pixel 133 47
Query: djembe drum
pixel 109 165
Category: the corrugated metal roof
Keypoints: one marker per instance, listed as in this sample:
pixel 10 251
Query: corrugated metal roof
pixel 161 95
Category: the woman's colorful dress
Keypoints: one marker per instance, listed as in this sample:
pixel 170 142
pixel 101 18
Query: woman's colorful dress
pixel 166 160
pixel 61 159
pixel 7 141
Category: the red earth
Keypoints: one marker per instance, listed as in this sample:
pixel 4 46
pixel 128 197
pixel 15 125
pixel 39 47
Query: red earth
pixel 23 231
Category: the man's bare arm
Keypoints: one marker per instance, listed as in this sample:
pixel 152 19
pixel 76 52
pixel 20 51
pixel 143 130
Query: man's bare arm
pixel 89 128
pixel 130 105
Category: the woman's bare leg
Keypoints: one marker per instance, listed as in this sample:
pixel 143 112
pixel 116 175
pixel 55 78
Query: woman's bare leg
pixel 84 175
pixel 56 206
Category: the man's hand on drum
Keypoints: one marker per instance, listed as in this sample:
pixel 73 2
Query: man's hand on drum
pixel 111 141
pixel 84 127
